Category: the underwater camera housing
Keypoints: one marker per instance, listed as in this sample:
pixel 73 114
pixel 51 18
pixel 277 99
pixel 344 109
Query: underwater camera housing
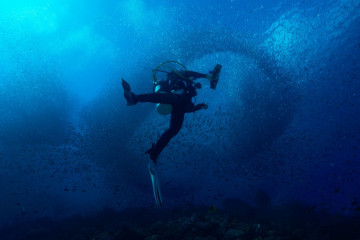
pixel 166 67
pixel 173 68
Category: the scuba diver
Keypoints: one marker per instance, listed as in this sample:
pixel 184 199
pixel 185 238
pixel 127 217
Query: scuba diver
pixel 172 96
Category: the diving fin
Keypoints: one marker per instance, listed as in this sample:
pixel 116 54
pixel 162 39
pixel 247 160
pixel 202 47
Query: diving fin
pixel 155 183
pixel 215 78
pixel 129 96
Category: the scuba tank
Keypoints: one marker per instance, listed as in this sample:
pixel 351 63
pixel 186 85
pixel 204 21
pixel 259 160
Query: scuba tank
pixel 162 87
pixel 175 83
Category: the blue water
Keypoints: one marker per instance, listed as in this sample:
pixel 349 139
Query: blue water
pixel 284 118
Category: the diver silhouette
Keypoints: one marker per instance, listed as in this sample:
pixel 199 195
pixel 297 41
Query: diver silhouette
pixel 172 96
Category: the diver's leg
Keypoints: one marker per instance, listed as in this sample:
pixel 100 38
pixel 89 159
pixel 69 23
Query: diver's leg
pixel 177 119
pixel 213 76
pixel 193 74
pixel 167 98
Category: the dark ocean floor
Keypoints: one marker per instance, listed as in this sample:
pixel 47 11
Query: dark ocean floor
pixel 235 220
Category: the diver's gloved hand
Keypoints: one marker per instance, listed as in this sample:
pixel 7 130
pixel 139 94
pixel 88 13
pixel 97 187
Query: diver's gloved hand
pixel 204 105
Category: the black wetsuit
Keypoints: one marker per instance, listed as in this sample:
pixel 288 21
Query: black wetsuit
pixel 181 104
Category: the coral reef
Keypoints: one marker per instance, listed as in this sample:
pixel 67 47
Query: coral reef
pixel 235 220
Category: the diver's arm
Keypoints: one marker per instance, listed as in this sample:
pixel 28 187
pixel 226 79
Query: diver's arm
pixel 197 107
